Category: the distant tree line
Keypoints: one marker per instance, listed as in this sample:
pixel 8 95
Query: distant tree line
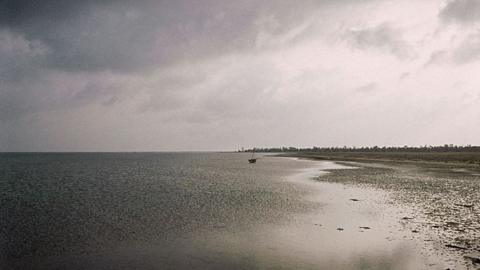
pixel 425 148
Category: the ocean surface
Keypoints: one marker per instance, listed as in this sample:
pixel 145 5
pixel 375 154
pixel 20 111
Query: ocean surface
pixel 137 210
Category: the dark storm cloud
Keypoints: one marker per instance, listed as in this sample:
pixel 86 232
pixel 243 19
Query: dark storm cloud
pixel 131 35
pixel 75 38
pixel 461 11
pixel 382 37
pixel 39 38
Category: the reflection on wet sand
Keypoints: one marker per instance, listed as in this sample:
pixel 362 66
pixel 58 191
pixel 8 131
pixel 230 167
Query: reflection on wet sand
pixel 441 199
pixel 371 237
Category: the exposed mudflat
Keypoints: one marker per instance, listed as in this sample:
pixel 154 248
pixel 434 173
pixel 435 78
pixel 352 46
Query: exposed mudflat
pixel 444 203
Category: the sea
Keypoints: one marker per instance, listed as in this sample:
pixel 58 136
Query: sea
pixel 142 210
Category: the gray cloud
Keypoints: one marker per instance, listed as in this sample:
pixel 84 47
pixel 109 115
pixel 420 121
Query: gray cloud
pixel 367 88
pixel 468 51
pixel 18 56
pixel 171 92
pixel 53 91
pixel 75 38
pixel 461 11
pixel 382 37
pixel 465 13
pixel 159 71
pixel 216 95
pixel 437 57
pixel 132 35
pixel 404 76
pixel 85 39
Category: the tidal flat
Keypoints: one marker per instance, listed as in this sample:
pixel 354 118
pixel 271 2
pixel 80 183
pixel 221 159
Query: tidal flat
pixel 442 198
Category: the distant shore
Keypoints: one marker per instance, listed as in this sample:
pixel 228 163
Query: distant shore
pixel 459 158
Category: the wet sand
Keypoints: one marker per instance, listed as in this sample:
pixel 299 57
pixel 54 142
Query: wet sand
pixel 440 204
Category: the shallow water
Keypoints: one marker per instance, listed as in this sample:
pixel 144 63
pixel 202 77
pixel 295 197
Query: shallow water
pixel 194 211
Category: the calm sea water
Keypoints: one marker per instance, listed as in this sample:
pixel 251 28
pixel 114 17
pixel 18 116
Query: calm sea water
pixel 135 210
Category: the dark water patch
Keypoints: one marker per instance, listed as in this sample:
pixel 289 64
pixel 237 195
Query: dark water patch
pixel 78 205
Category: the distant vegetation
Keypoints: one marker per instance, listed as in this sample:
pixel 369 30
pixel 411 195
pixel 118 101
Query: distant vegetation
pixel 445 153
pixel 426 148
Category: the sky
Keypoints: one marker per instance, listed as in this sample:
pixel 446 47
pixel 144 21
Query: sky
pixel 212 75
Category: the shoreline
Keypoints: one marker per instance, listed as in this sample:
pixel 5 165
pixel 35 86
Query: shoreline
pixel 444 217
pixel 376 157
pixel 361 221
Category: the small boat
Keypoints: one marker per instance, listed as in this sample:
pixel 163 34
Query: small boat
pixel 252 159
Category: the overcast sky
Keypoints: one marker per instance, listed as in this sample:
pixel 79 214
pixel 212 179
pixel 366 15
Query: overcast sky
pixel 217 75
